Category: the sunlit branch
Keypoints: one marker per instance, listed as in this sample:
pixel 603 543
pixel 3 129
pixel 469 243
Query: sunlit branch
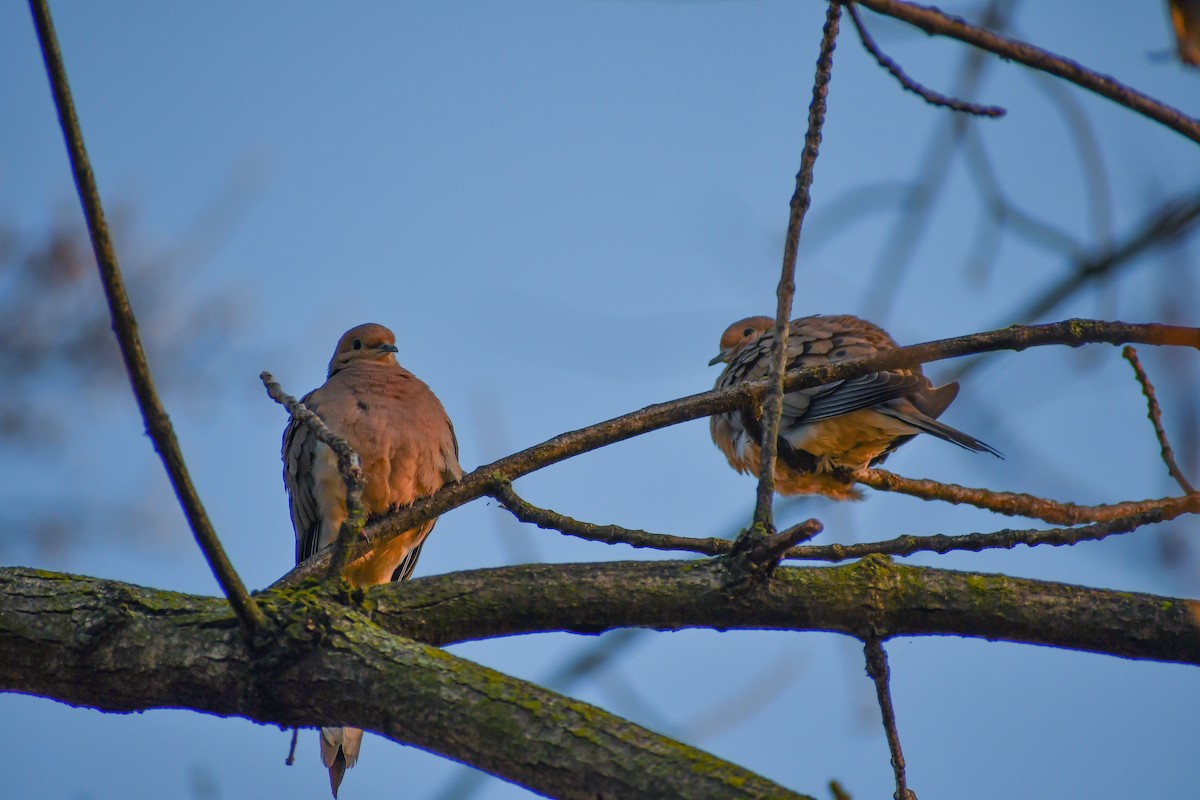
pixel 479 482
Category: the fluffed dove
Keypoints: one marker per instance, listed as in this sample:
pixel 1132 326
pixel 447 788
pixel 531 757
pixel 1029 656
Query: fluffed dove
pixel 407 448
pixel 828 433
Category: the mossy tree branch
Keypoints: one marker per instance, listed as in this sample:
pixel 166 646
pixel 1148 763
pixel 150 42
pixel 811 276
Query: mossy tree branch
pixel 664 595
pixel 121 648
pixel 350 656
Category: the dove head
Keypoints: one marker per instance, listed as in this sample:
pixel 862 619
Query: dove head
pixel 364 344
pixel 740 335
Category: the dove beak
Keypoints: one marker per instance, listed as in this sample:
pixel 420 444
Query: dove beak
pixel 389 348
pixel 721 356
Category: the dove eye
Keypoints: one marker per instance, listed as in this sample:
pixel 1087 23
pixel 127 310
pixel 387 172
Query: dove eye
pixel 748 332
pixel 356 344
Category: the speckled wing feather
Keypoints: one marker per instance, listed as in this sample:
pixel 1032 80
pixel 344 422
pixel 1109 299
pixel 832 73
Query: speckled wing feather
pixel 815 341
pixel 830 432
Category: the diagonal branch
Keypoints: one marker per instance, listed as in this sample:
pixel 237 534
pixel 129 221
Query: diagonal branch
pixel 764 523
pixel 481 481
pixel 926 94
pixel 1168 223
pixel 349 467
pixel 936 22
pixel 1154 412
pixel 1013 504
pixel 608 534
pixel 158 424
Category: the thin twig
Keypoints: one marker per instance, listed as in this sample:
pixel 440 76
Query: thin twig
pixel 158 424
pixel 932 172
pixel 1161 511
pixel 938 23
pixel 925 93
pixel 1168 223
pixel 773 401
pixel 877 668
pixel 1003 539
pixel 1073 332
pixel 291 756
pixel 1013 504
pixel 1154 412
pixel 608 534
pixel 349 467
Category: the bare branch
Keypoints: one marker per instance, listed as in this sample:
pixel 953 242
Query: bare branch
pixel 1154 412
pixel 349 467
pixel 938 23
pixel 291 756
pixel 1013 504
pixel 773 400
pixel 122 649
pixel 608 534
pixel 933 167
pixel 926 94
pixel 1003 539
pixel 1170 221
pixel 877 668
pixel 674 595
pixel 481 481
pixel 158 424
pixel 1152 511
pixel 595 597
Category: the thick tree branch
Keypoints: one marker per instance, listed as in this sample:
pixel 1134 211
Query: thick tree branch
pixel 116 647
pixel 158 424
pixel 938 23
pixel 873 596
pixel 481 481
pixel 869 597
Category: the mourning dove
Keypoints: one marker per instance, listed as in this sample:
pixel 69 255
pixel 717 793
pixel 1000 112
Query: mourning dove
pixel 407 448
pixel 829 433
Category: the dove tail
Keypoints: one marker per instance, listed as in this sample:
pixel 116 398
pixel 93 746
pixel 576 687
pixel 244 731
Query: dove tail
pixel 945 432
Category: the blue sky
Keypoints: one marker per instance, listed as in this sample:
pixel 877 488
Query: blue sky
pixel 558 207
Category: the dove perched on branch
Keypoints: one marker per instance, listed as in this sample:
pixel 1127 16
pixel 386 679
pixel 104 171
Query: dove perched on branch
pixel 407 449
pixel 828 433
